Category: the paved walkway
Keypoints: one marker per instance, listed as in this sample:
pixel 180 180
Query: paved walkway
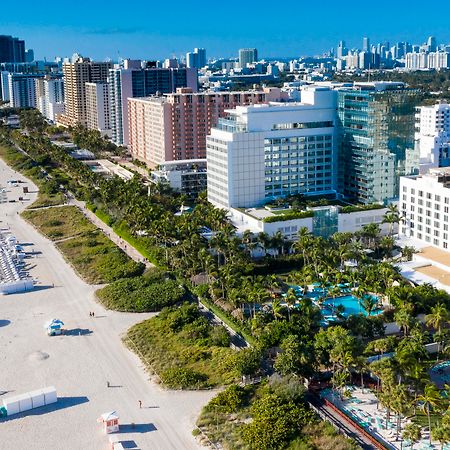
pixel 124 245
pixel 344 427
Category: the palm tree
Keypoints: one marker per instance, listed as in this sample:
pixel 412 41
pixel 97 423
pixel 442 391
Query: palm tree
pixel 412 433
pixel 438 316
pixel 369 304
pixel 404 320
pixel 430 400
pixel 391 217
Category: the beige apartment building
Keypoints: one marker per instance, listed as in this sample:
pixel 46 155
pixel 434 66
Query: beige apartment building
pixel 97 108
pixel 76 75
pixel 174 127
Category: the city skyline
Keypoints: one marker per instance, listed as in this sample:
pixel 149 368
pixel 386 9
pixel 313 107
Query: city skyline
pixel 105 34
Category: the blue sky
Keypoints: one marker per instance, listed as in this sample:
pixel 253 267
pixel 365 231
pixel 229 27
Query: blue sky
pixel 143 29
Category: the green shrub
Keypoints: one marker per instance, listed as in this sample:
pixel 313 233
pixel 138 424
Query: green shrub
pixel 229 400
pixel 183 378
pixel 140 294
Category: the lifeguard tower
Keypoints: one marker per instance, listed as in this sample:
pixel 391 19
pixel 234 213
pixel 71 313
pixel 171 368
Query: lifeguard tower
pixel 54 327
pixel 109 421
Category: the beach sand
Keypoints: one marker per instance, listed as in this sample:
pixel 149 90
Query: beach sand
pixel 78 364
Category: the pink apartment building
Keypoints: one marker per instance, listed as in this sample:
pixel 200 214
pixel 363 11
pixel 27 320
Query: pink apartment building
pixel 174 127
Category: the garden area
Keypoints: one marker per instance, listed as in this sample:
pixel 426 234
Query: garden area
pixel 271 415
pixel 186 352
pixel 147 293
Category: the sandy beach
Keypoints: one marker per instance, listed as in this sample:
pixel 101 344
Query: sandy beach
pixel 80 363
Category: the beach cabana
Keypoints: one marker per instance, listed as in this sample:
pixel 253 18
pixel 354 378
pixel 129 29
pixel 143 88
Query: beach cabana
pixel 109 421
pixel 54 327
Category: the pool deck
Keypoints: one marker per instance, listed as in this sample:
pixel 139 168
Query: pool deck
pixel 364 409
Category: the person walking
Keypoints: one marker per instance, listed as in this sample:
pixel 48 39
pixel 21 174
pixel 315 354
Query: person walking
pixel 140 404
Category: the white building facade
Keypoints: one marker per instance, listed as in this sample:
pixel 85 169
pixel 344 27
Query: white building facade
pixel 433 136
pixel 263 152
pixel 97 107
pixel 425 207
pixel 50 97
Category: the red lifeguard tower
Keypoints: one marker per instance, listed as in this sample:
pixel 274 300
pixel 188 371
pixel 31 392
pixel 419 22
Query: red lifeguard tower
pixel 109 421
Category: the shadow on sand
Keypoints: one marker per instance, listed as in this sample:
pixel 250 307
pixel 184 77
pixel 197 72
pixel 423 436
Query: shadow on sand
pixel 62 403
pixel 137 428
pixel 78 332
pixel 129 444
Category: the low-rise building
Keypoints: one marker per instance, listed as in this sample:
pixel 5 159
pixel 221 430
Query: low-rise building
pixel 188 176
pixel 320 221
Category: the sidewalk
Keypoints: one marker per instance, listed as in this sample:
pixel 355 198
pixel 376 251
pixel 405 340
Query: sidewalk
pixel 112 235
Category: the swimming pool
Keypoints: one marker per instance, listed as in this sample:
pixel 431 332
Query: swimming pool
pixel 352 306
pixel 350 303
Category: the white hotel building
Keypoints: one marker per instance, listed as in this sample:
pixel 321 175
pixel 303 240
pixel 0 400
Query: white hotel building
pixel 262 152
pixel 433 136
pixel 425 206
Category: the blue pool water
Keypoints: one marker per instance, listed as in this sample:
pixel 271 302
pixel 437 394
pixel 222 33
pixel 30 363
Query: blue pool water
pixel 351 305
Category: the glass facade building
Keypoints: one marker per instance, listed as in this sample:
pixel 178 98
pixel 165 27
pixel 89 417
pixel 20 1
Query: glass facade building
pixel 376 140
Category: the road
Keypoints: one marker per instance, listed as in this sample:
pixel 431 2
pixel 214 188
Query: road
pixel 80 363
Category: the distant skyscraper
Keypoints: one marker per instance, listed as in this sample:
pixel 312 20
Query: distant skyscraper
pixel 196 59
pixel 76 75
pixel 341 50
pixel 29 55
pixel 201 52
pixel 247 56
pixel 11 49
pixel 22 90
pixel 366 44
pixel 431 43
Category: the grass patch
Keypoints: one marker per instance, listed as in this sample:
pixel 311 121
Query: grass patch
pixel 97 259
pixel 91 253
pixel 45 199
pixel 148 293
pixel 59 223
pixel 183 349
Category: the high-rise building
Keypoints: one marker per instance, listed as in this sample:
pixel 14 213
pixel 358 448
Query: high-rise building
pixel 196 59
pixel 425 207
pixel 366 44
pixel 50 96
pixel 29 55
pixel 201 57
pixel 432 44
pixel 377 122
pixel 11 49
pixel 247 56
pixel 132 80
pixel 4 86
pixel 262 152
pixel 341 50
pixel 433 135
pixel 76 75
pixel 174 126
pixel 97 108
pixel 22 90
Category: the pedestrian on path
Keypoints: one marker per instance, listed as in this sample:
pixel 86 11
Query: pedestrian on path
pixel 140 404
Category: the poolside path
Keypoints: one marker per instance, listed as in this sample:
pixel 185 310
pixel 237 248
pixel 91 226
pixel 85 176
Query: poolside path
pixel 346 427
